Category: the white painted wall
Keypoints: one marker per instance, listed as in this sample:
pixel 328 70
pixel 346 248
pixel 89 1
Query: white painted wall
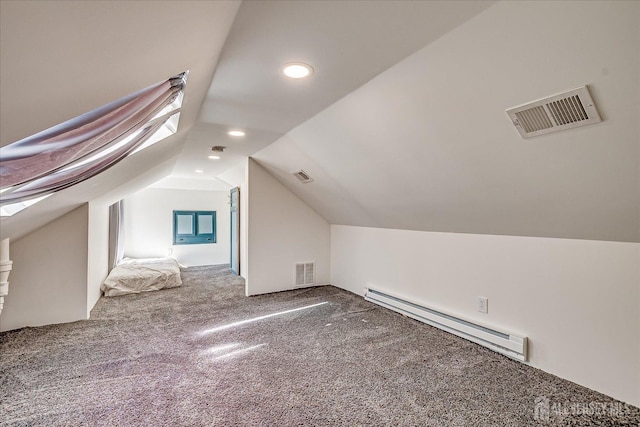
pixel 578 301
pixel 149 225
pixel 283 231
pixel 98 234
pixel 48 283
pixel 182 183
pixel 237 177
pixel 97 251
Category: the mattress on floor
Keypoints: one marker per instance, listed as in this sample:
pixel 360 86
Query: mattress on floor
pixel 132 276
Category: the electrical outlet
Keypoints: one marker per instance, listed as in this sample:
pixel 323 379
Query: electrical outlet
pixel 483 305
pixel 169 251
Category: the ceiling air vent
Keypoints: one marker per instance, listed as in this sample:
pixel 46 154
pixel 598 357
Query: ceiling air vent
pixel 305 274
pixel 555 113
pixel 302 176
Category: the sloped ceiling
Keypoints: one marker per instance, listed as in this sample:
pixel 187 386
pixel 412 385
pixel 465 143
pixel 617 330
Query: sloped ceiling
pixel 60 59
pixel 347 43
pixel 426 145
pixel 423 145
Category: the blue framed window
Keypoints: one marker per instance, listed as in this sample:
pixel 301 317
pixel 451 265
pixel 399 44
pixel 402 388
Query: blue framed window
pixel 194 227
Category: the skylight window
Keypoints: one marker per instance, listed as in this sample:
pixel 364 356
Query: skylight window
pixel 14 208
pixel 168 128
pixel 80 148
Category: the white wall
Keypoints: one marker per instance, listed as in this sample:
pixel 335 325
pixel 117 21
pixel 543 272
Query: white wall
pixel 182 183
pixel 98 244
pixel 48 283
pixel 149 225
pixel 283 231
pixel 578 301
pixel 237 177
pixel 98 251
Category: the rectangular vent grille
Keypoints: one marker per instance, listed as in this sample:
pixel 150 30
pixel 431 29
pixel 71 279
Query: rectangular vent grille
pixel 534 119
pixel 305 274
pixel 555 113
pixel 302 176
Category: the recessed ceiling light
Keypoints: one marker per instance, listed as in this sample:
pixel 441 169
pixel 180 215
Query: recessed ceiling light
pixel 214 157
pixel 236 133
pixel 297 70
pixel 198 171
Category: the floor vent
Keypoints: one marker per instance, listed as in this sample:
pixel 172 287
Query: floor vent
pixel 555 113
pixel 305 274
pixel 506 343
pixel 302 176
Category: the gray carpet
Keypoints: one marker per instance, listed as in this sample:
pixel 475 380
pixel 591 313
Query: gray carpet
pixel 176 358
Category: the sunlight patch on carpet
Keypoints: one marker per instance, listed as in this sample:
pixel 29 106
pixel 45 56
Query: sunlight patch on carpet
pixel 256 319
pixel 240 351
pixel 220 348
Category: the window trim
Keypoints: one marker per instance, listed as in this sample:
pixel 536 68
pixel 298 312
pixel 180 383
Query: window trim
pixel 195 238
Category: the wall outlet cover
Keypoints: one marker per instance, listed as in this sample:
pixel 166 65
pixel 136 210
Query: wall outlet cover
pixel 483 305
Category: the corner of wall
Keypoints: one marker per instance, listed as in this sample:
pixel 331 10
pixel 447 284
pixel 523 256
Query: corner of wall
pixel 49 276
pixel 569 297
pixel 149 225
pixel 283 231
pixel 97 251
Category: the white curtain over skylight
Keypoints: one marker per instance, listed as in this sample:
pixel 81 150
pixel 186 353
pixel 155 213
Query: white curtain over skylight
pixel 80 148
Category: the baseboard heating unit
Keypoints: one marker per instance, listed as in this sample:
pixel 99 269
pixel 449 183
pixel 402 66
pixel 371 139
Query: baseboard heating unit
pixel 506 343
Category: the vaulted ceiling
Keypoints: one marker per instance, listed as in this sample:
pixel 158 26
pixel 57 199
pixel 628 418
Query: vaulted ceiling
pixel 402 124
pixel 60 59
pixel 426 145
pixel 347 43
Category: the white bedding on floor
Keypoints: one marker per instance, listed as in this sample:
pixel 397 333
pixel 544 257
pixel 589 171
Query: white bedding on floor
pixel 132 276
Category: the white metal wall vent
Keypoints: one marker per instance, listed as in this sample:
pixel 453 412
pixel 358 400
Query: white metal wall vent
pixel 305 274
pixel 302 176
pixel 565 110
